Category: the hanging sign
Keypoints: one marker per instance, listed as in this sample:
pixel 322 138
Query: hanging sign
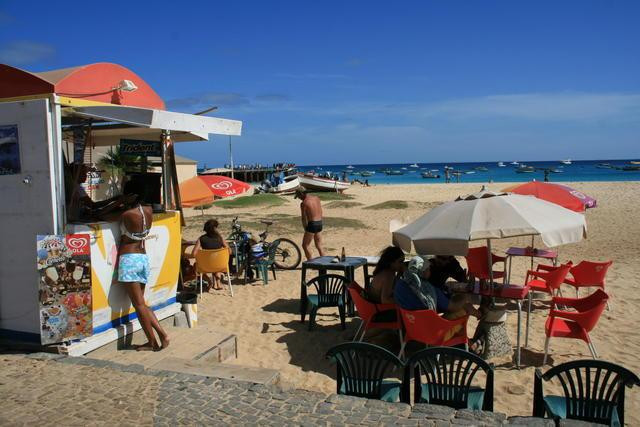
pixel 64 287
pixel 138 147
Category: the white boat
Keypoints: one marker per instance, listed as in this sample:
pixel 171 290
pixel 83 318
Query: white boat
pixel 290 184
pixel 501 164
pixel 404 169
pixel 415 165
pixel 515 163
pixel 318 183
pixel 349 167
pixel 566 161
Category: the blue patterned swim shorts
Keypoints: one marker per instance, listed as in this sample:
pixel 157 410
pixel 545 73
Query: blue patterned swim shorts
pixel 133 268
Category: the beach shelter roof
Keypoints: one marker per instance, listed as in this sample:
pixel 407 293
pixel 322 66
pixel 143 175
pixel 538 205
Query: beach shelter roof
pixel 556 193
pixel 447 229
pixel 203 189
pixel 92 82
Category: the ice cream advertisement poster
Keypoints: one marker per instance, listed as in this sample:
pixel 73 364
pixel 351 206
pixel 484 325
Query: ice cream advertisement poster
pixel 64 287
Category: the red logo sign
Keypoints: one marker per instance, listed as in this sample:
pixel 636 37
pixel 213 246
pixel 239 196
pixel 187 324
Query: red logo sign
pixel 78 244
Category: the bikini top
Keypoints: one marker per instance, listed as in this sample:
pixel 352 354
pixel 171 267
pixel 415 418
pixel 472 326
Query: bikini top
pixel 138 235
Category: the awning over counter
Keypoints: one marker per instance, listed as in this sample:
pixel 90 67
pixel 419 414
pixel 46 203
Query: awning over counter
pixel 145 123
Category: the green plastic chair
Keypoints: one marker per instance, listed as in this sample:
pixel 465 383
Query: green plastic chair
pixel 330 292
pixel 263 265
pixel 448 379
pixel 362 369
pixel 593 391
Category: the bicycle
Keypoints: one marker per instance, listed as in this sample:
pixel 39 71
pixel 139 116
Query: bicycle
pixel 288 254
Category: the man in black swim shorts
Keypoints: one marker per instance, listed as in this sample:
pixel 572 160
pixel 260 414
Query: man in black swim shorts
pixel 311 214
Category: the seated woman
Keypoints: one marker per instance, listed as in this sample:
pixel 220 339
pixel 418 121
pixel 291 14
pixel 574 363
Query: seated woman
pixel 212 239
pixel 391 263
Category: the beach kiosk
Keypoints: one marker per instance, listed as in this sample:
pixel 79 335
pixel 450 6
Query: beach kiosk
pixel 57 259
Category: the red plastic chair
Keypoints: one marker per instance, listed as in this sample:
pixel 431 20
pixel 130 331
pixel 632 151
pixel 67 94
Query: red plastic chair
pixel 545 278
pixel 427 327
pixel 370 313
pixel 478 267
pixel 587 274
pixel 575 324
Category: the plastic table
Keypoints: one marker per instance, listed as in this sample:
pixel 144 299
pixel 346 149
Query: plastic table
pixel 529 252
pixel 326 263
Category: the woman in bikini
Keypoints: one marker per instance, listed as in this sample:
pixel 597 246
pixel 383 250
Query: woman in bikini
pixel 133 271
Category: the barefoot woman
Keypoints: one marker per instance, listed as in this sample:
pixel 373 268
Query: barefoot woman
pixel 133 271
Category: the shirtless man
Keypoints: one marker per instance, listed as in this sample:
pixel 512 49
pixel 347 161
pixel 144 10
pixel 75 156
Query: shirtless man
pixel 133 271
pixel 311 213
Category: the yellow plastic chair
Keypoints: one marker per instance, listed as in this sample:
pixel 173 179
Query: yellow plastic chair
pixel 213 261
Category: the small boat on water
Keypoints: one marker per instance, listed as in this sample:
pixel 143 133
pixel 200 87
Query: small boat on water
pixel 414 165
pixel 349 167
pixel 481 169
pixel 566 161
pixel 367 173
pixel 556 170
pixel 634 162
pixel 501 164
pixel 404 169
pixel 430 175
pixel 322 183
pixel 604 166
pixel 469 172
pixel 394 172
pixel 631 168
pixel 515 163
pixel 525 169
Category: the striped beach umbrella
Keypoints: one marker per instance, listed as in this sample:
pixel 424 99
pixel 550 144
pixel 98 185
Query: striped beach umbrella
pixel 559 194
pixel 203 189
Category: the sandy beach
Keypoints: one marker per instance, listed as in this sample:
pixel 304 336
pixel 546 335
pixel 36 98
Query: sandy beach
pixel 267 323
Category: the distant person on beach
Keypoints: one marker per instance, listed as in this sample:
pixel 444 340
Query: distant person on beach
pixel 391 263
pixel 211 240
pixel 133 270
pixel 546 175
pixel 311 214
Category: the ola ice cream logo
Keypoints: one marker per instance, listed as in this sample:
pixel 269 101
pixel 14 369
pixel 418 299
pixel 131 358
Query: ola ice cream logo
pixel 222 185
pixel 78 243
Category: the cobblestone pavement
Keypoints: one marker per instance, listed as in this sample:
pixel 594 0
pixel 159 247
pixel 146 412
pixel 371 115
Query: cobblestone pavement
pixel 45 389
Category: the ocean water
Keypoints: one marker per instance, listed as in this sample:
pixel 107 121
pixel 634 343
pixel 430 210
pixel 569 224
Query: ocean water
pixel 579 170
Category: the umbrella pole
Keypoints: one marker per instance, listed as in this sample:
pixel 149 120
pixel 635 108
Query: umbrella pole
pixel 489 261
pixel 532 247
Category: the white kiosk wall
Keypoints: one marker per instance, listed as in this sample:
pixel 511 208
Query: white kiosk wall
pixel 26 209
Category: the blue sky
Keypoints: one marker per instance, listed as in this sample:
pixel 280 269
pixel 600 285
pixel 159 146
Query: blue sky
pixel 328 82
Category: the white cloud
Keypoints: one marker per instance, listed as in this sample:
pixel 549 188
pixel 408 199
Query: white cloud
pixel 25 52
pixel 539 106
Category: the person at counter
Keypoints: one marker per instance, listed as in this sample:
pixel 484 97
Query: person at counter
pixel 80 205
pixel 133 270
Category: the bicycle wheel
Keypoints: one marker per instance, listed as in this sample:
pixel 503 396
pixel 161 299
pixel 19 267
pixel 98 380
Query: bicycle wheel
pixel 288 255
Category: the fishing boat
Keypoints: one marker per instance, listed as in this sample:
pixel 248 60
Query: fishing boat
pixel 414 165
pixel 634 162
pixel 631 168
pixel 515 163
pixel 404 169
pixel 481 169
pixel 556 170
pixel 350 167
pixel 469 172
pixel 501 164
pixel 322 183
pixel 394 172
pixel 290 184
pixel 566 161
pixel 367 173
pixel 525 169
pixel 429 174
pixel 604 166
